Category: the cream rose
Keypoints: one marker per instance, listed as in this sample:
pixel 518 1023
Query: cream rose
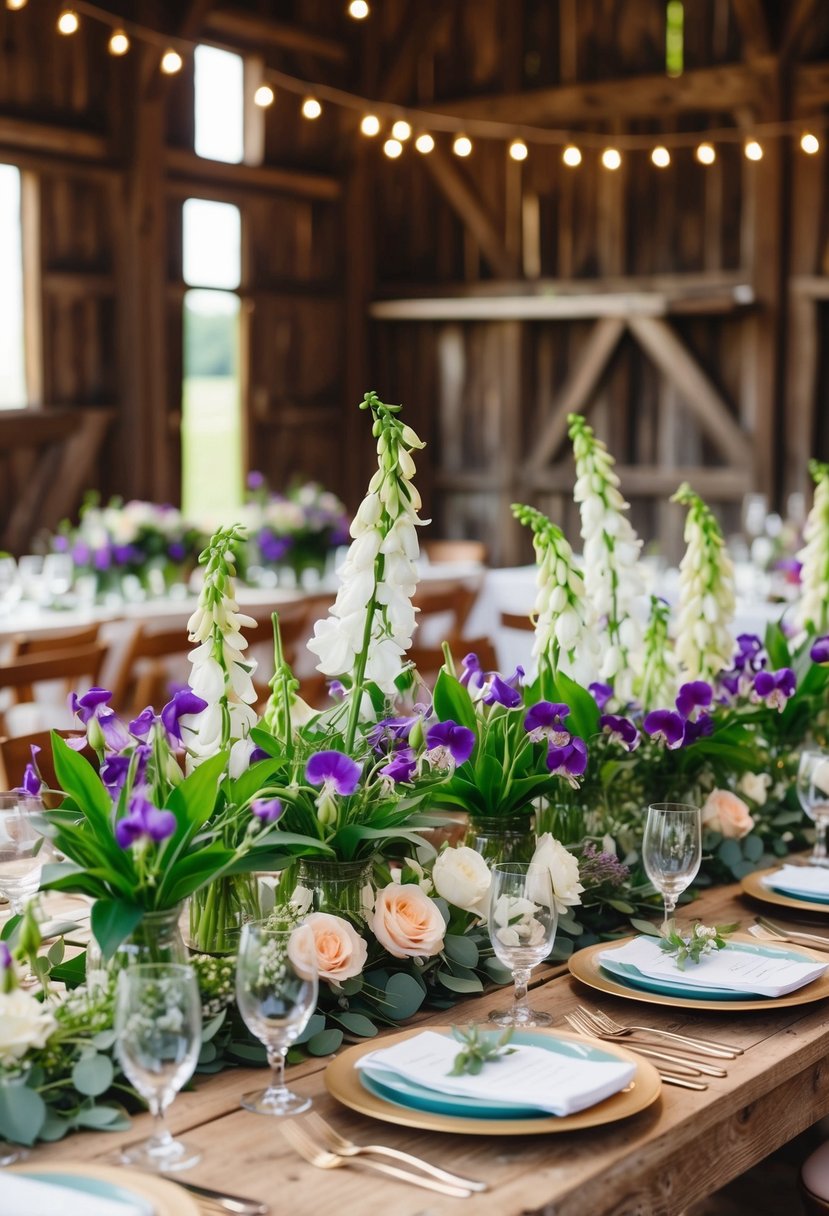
pixel 406 922
pixel 341 952
pixel 726 813
pixel 462 877
pixel 24 1023
pixel 564 871
pixel 755 786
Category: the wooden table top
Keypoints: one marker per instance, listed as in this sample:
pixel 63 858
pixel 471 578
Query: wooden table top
pixel 681 1149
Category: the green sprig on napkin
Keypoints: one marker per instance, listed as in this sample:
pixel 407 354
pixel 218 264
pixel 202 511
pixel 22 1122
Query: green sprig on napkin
pixel 478 1049
pixel 703 939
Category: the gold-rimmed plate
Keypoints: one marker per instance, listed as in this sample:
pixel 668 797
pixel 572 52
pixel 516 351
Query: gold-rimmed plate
pixel 753 885
pixel 147 1192
pixel 585 965
pixel 343 1082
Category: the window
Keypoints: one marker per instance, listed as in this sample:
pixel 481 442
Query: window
pixel 219 105
pixel 13 389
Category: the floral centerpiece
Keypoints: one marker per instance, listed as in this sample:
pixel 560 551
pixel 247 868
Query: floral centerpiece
pixel 295 531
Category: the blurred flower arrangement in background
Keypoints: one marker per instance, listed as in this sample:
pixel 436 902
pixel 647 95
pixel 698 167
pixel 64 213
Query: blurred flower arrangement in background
pixel 297 531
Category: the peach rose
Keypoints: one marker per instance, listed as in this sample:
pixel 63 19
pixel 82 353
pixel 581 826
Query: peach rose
pixel 341 952
pixel 406 922
pixel 726 813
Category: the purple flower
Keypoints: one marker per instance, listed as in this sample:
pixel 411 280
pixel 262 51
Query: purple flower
pixel 694 697
pixel 601 693
pixel 102 559
pixel 449 744
pixel 143 820
pixel 621 730
pixel 60 543
pixel 336 689
pixel 176 551
pixel 666 726
pixel 258 753
pixel 472 675
pixel 255 480
pixel 32 782
pixel 703 726
pixel 501 692
pixel 184 702
pixel 273 548
pixel 114 772
pixel 401 767
pixel 391 732
pixel 81 553
pixel 266 809
pixel 568 761
pixel 5 957
pixel 775 687
pixel 335 770
pixel 820 650
pixel 597 869
pixel 545 720
pixel 749 647
pixel 103 728
pixel 143 724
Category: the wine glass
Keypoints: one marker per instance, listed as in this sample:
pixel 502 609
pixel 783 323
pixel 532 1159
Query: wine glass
pixel 523 918
pixel 23 848
pixel 276 993
pixel 813 792
pixel 158 1039
pixel 672 850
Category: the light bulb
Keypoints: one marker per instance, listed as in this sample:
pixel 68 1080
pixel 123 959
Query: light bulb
pixel 753 150
pixel 424 143
pixel 311 108
pixel 15 5
pixel 661 157
pixel 401 130
pixel 68 22
pixel 809 143
pixel 264 96
pixel 358 9
pixel 370 125
pixel 706 154
pixel 392 148
pixel 119 43
pixel 171 62
pixel 518 150
pixel 462 146
pixel 571 156
pixel 611 158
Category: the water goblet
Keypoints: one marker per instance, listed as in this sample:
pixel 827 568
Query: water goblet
pixel 813 793
pixel 672 851
pixel 276 993
pixel 23 848
pixel 158 1039
pixel 523 918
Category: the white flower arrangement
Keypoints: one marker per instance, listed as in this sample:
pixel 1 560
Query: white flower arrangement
pixel 704 642
pixel 813 609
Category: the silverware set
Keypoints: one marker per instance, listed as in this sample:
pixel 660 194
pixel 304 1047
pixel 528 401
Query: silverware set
pixel 767 931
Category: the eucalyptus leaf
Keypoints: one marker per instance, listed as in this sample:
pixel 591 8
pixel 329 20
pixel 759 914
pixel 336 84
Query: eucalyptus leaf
pixel 325 1043
pixel 93 1074
pixel 22 1114
pixel 356 1023
pixel 316 1023
pixel 730 853
pixel 461 950
pixel 97 1116
pixel 753 848
pixel 403 996
pixel 459 983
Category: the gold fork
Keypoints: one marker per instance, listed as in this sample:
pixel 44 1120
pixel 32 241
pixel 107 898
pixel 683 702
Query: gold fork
pixel 778 933
pixel 669 1076
pixel 689 1068
pixel 614 1030
pixel 347 1148
pixel 299 1139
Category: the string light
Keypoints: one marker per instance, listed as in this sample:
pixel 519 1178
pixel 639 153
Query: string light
pixel 68 22
pixel 462 146
pixel 171 62
pixel 611 158
pixel 264 96
pixel 571 156
pixel 424 143
pixel 118 43
pixel 370 125
pixel 661 157
pixel 753 150
pixel 16 5
pixel 809 143
pixel 393 148
pixel 401 130
pixel 358 9
pixel 705 154
pixel 311 108
pixel 518 150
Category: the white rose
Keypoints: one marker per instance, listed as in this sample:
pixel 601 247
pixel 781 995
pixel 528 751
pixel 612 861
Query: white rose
pixel 755 786
pixel 462 877
pixel 24 1023
pixel 564 871
pixel 724 812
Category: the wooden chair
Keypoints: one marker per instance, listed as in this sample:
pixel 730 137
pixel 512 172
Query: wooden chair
pixel 428 660
pixel 455 551
pixel 77 668
pixel 517 620
pixel 453 599
pixel 16 752
pixel 24 646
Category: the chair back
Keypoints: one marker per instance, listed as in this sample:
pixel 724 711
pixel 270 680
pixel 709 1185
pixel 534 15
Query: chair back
pixel 25 645
pixel 455 551
pixel 517 620
pixel 16 753
pixel 452 600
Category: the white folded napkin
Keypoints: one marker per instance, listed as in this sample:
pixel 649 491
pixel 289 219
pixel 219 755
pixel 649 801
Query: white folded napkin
pixel 20 1196
pixel 529 1077
pixel 735 968
pixel 800 880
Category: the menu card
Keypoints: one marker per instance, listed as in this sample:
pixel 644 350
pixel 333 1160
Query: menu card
pixel 23 1196
pixel 800 880
pixel 529 1077
pixel 738 968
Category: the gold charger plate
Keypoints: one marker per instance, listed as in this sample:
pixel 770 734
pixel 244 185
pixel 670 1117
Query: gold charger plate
pixel 343 1083
pixel 751 885
pixel 585 966
pixel 167 1198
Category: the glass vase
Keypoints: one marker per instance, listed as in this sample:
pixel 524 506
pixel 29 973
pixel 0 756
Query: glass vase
pixel 155 939
pixel 564 822
pixel 218 911
pixel 344 888
pixel 501 838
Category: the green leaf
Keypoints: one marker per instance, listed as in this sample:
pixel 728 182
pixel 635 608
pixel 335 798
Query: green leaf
pixel 403 997
pixel 497 972
pixel 112 922
pixel 452 702
pixel 209 1029
pixel 55 952
pixel 646 926
pixel 97 1116
pixel 103 1040
pixel 316 1023
pixel 22 1114
pixel 54 1127
pixel 459 983
pixel 72 972
pixel 356 1023
pixel 193 871
pixel 730 853
pixel 77 778
pixel 325 1043
pixel 753 848
pixel 461 950
pixel 93 1074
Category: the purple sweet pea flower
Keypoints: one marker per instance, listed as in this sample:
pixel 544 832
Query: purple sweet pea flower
pixel 601 693
pixel 143 820
pixel 143 724
pixel 32 782
pixel 749 648
pixel 5 957
pixel 775 687
pixel 184 702
pixel 501 692
pixel 666 726
pixel 81 553
pixel 472 675
pixel 568 761
pixel 60 544
pixel 820 650
pixel 545 720
pixel 390 732
pixel 102 559
pixel 258 753
pixel 176 551
pixel 266 809
pixel 401 767
pixel 114 772
pixel 336 689
pixel 704 725
pixel 335 771
pixel 103 729
pixel 255 480
pixel 693 698
pixel 621 730
pixel 448 744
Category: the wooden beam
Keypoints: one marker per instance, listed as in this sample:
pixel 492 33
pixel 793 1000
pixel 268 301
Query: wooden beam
pixel 804 362
pixel 187 166
pixel 249 29
pixel 815 286
pixel 677 363
pixel 578 389
pixel 654 481
pixel 50 137
pixel 810 86
pixel 801 15
pixel 754 29
pixel 422 29
pixel 681 288
pixel 472 212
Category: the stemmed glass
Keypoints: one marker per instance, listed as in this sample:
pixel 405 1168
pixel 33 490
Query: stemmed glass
pixel 23 848
pixel 158 1039
pixel 522 927
pixel 813 792
pixel 276 993
pixel 672 850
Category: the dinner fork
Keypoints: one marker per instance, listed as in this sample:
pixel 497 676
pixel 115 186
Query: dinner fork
pixel 669 1077
pixel 616 1030
pixel 347 1148
pixel 299 1139
pixel 778 933
pixel 678 1062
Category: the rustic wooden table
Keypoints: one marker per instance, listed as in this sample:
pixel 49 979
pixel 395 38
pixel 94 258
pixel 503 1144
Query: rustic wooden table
pixel 683 1148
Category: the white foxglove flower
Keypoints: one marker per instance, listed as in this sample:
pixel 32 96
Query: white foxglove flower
pixel 658 682
pixel 813 609
pixel 704 642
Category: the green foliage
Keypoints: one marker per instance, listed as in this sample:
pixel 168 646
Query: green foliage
pixel 479 1049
